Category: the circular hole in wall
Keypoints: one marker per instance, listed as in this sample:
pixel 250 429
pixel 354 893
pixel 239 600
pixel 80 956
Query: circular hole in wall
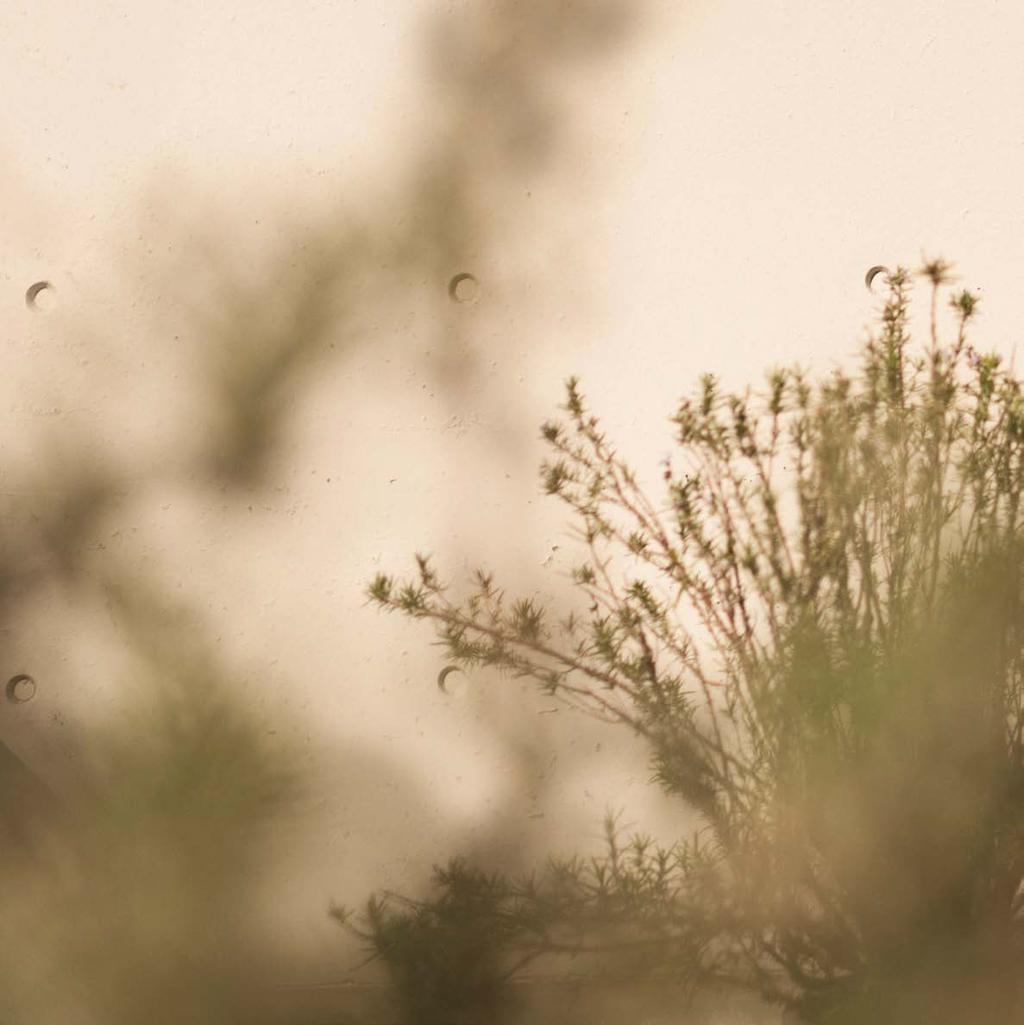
pixel 39 296
pixel 464 288
pixel 21 688
pixel 874 272
pixel 452 681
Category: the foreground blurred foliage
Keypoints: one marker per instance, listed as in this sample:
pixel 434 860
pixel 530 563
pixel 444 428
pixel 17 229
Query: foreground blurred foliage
pixel 818 632
pixel 137 894
pixel 451 957
pixel 129 901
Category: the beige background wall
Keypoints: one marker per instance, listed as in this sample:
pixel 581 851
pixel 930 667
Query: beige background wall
pixel 645 191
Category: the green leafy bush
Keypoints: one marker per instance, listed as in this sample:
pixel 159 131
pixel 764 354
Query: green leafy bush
pixel 818 632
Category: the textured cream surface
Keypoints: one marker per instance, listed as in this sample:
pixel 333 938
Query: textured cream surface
pixel 674 188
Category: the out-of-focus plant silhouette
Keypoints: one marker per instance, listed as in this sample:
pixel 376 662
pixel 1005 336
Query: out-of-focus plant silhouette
pixel 127 899
pixel 446 956
pixel 495 123
pixel 818 632
pixel 613 918
pixel 131 895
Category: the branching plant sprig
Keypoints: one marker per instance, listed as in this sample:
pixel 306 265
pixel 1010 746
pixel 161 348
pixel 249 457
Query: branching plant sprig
pixel 764 625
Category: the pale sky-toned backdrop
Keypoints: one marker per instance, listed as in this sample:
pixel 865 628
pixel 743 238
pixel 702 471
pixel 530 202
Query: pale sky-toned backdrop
pixel 644 192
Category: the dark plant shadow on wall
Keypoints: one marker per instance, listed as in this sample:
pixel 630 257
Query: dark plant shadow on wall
pixel 132 896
